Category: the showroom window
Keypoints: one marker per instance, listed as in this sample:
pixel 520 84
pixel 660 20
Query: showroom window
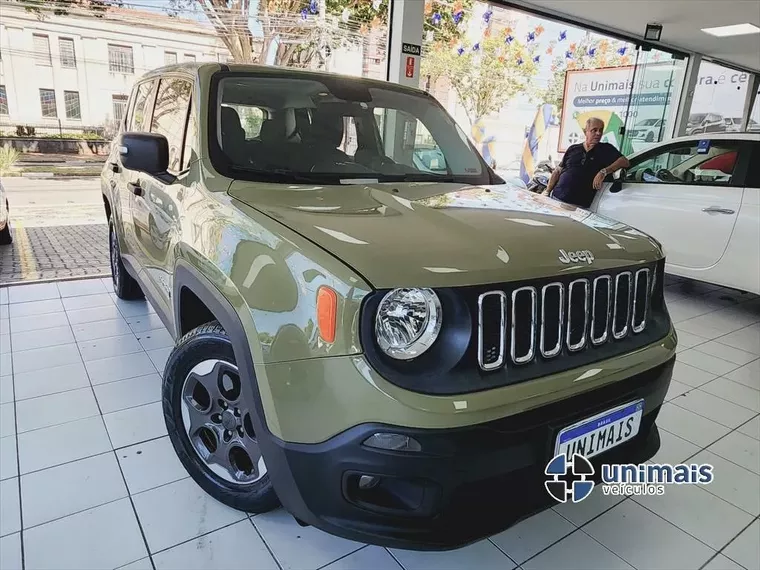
pixel 710 162
pixel 66 49
pixel 3 101
pixel 170 116
pixel 719 97
pixel 138 113
pixel 71 105
pixel 47 103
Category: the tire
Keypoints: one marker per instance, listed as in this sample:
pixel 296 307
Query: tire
pixel 5 234
pixel 124 285
pixel 206 353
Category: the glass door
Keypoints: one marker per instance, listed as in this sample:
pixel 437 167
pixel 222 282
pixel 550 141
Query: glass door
pixel 657 81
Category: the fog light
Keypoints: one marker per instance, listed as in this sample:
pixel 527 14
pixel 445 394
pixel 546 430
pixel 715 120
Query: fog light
pixel 393 442
pixel 368 482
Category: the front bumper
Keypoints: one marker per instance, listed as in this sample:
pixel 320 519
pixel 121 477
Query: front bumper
pixel 465 484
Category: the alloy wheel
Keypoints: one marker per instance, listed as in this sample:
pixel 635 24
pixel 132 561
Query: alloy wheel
pixel 218 422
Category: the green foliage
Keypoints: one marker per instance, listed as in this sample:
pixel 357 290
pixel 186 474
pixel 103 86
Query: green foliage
pixel 43 8
pixel 487 78
pixel 8 157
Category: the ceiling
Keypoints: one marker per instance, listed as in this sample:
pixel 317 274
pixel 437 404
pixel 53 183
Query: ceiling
pixel 682 22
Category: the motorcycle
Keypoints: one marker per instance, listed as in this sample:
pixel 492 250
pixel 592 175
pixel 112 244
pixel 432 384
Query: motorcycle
pixel 541 175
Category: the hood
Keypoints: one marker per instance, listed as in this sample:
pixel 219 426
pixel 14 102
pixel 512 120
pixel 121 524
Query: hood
pixel 445 235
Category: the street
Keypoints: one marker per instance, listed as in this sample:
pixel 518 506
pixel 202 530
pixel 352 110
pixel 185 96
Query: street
pixel 36 202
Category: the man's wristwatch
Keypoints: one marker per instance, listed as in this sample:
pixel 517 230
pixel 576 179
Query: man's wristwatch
pixel 603 172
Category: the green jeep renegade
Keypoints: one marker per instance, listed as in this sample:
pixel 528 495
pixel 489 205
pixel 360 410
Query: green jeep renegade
pixel 391 348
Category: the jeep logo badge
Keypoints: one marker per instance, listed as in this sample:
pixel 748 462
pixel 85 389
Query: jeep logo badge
pixel 582 255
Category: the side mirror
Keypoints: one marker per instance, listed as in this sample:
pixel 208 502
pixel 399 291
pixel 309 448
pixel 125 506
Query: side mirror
pixel 145 152
pixel 617 184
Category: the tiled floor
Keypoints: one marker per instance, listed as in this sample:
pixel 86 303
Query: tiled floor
pixel 89 478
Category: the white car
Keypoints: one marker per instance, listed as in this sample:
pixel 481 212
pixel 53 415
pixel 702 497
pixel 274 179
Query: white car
pixel 5 219
pixel 699 196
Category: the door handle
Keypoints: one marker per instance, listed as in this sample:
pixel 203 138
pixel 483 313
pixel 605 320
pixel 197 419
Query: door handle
pixel 114 167
pixel 717 210
pixel 135 187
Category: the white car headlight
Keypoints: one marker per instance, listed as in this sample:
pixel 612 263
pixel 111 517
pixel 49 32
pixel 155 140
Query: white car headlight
pixel 408 322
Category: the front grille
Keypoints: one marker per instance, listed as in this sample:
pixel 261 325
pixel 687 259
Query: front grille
pixel 531 323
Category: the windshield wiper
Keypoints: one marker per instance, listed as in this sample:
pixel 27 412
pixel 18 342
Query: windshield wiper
pixel 280 175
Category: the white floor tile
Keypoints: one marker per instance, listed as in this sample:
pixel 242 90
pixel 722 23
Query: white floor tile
pixel 369 557
pixel 150 464
pixel 119 368
pixel 4 296
pixel 673 449
pixel 5 312
pixel 83 287
pixel 98 349
pixel 55 445
pixel 142 564
pixel 101 329
pixel 6 364
pixel 42 338
pixel 482 555
pixel 677 389
pixel 159 358
pixel 179 512
pixel 41 358
pixel 142 323
pixel 720 562
pixel 34 308
pixel 747 339
pixel 61 491
pixel 8 458
pixel 5 322
pixel 7 420
pixel 717 409
pixel 739 394
pixel 87 302
pixel 6 389
pixel 135 425
pixel 591 507
pixel 10 512
pixel 706 362
pixel 689 340
pixel 35 323
pixel 699 328
pixel 628 526
pixel 529 537
pixel 690 375
pixel 33 292
pixel 106 313
pixel 701 514
pixel 690 426
pixel 236 547
pixel 751 428
pixel 732 482
pixel 729 353
pixel 130 393
pixel 50 381
pixel 55 409
pixel 745 549
pixel 739 448
pixel 155 339
pixel 748 375
pixel 5 343
pixel 300 548
pixel 10 552
pixel 577 551
pixel 132 308
pixel 104 537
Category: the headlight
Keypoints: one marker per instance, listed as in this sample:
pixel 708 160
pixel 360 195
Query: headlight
pixel 408 322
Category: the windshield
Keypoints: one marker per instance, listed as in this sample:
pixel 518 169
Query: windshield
pixel 338 130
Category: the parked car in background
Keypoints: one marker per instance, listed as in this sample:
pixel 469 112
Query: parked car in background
pixel 392 354
pixel 705 123
pixel 647 130
pixel 5 218
pixel 700 197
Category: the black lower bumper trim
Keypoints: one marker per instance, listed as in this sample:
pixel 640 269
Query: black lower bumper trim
pixel 465 484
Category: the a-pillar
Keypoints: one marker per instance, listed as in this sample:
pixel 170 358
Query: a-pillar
pixel 406 19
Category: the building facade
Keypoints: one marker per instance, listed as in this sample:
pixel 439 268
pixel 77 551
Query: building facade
pixel 75 72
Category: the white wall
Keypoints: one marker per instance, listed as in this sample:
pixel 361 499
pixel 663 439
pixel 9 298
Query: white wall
pixel 149 38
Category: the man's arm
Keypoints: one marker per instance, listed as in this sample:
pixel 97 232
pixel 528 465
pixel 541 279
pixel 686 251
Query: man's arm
pixel 553 179
pixel 620 162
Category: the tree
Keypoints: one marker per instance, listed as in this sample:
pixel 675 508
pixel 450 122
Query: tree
pixel 42 8
pixel 588 53
pixel 485 75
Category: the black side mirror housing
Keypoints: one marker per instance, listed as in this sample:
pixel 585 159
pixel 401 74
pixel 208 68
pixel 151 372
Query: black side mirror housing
pixel 145 152
pixel 617 184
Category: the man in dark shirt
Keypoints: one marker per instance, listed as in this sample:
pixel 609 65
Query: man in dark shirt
pixel 584 167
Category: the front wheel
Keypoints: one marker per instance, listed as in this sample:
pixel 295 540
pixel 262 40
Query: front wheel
pixel 124 285
pixel 5 235
pixel 210 421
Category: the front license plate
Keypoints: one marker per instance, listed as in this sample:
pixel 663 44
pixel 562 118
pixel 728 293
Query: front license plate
pixel 599 433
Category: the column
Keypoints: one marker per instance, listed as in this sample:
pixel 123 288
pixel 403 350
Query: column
pixel 752 86
pixel 687 94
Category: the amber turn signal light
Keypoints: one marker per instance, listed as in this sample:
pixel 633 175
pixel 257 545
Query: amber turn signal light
pixel 327 313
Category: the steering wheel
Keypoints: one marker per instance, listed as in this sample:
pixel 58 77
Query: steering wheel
pixel 666 175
